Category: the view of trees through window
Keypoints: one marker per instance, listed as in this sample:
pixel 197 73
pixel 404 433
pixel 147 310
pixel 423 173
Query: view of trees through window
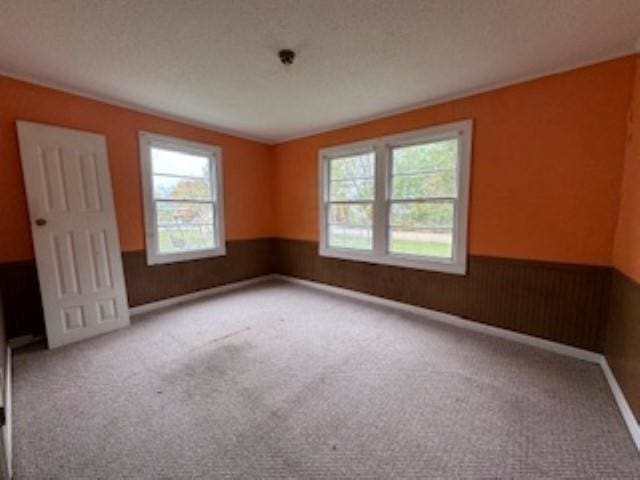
pixel 421 211
pixel 183 195
pixel 351 194
pixel 423 189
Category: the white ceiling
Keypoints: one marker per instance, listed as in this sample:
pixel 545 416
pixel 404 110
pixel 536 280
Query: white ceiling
pixel 215 62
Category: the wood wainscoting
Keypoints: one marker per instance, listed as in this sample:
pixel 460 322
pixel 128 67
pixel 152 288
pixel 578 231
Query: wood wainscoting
pixel 622 346
pixel 565 303
pixel 244 259
pixel 149 283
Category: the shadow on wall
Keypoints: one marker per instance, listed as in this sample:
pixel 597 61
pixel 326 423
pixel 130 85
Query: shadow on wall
pixel 22 302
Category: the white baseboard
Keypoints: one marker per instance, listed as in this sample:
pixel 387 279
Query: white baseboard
pixel 559 348
pixel 22 341
pixel 7 436
pixel 450 319
pixel 625 409
pixel 149 307
pixel 447 318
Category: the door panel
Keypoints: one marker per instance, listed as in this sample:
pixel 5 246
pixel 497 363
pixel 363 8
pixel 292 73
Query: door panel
pixel 75 235
pixel 64 261
pixel 100 265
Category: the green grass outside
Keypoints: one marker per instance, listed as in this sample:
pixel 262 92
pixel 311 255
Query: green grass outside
pixel 411 247
pixel 194 240
pixel 414 247
pixel 186 240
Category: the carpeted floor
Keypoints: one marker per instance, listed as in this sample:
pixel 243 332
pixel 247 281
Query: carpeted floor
pixel 280 381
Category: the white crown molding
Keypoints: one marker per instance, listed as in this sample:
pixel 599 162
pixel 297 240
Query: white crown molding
pixel 132 107
pixel 459 95
pixel 311 132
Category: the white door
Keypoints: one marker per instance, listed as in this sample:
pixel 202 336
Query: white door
pixel 75 236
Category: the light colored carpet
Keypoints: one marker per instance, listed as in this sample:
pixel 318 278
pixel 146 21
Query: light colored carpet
pixel 280 381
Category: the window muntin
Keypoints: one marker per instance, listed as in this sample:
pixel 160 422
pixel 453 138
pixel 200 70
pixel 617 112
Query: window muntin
pixel 416 213
pixel 183 212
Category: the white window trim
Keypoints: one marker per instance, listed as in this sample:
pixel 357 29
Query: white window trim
pixel 214 153
pixel 382 147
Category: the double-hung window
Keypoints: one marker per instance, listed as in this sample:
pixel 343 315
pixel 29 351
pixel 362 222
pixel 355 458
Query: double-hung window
pixel 399 200
pixel 182 188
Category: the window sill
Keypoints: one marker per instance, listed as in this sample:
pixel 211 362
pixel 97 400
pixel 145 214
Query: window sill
pixel 157 259
pixel 431 264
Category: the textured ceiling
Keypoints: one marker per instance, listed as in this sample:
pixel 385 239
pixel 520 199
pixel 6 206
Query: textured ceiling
pixel 215 62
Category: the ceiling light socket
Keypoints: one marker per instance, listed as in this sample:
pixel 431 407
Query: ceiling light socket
pixel 287 56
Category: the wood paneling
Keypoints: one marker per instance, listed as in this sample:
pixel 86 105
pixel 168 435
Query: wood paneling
pixel 561 302
pixel 622 347
pixel 244 259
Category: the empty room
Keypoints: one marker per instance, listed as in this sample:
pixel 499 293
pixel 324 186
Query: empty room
pixel 319 239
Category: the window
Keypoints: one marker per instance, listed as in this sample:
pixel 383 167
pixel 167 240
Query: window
pixel 399 200
pixel 182 186
pixel 351 188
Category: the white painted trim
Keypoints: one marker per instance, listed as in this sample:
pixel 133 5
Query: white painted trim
pixel 627 415
pixel 146 141
pixel 559 348
pixel 454 96
pixel 134 107
pixel 462 131
pixel 454 320
pixel 19 342
pixel 7 429
pixel 168 302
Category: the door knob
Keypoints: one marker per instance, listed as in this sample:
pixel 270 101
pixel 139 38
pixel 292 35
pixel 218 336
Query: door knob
pixel 41 222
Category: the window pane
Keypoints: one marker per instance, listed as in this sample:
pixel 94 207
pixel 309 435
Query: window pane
pixel 358 189
pixel 422 228
pixel 427 170
pixel 352 178
pixel 349 226
pixel 183 213
pixel 172 162
pixel 181 188
pixel 185 238
pixel 183 227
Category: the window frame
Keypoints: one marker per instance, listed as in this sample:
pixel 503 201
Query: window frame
pixel 358 148
pixel 148 140
pixel 382 148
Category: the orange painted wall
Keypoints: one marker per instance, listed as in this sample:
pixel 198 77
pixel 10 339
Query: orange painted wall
pixel 547 165
pixel 247 177
pixel 626 251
